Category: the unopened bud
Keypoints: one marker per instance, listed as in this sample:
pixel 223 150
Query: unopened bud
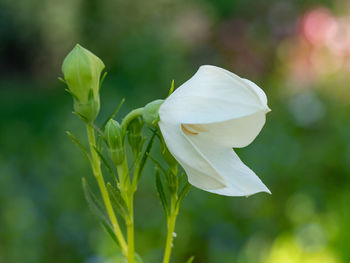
pixel 150 112
pixel 114 136
pixel 135 135
pixel 82 73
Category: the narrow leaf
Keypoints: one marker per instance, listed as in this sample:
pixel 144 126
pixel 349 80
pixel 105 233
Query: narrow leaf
pixel 157 163
pixel 144 158
pixel 96 207
pixel 182 177
pixel 62 80
pixel 80 145
pixel 167 174
pixel 102 79
pixel 94 203
pixel 183 193
pixel 109 230
pixel 138 259
pixel 82 117
pixel 104 161
pixel 97 129
pixel 190 260
pixel 171 88
pixel 72 94
pixel 161 194
pixel 117 201
pixel 116 110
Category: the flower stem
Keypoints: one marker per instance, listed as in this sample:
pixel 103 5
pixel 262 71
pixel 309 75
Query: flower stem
pixel 127 193
pixel 171 230
pixel 130 230
pixel 96 167
pixel 130 116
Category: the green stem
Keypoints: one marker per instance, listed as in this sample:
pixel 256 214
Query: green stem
pixel 130 230
pixel 96 167
pixel 130 116
pixel 127 193
pixel 171 230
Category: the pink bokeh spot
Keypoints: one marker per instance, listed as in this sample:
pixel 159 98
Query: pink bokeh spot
pixel 318 26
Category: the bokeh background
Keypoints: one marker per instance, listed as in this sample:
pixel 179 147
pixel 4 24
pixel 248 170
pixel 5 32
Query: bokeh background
pixel 297 51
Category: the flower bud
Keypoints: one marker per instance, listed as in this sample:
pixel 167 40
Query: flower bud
pixel 82 73
pixel 114 136
pixel 135 135
pixel 150 112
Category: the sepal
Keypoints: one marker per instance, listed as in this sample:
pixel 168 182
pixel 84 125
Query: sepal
pixel 150 113
pixel 135 136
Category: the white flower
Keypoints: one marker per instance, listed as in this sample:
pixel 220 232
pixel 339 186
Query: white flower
pixel 204 119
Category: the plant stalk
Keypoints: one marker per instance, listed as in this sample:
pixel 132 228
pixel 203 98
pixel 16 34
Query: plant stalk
pixel 127 193
pixel 96 167
pixel 171 230
pixel 130 116
pixel 130 230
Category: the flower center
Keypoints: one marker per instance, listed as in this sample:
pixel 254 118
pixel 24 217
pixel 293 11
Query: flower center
pixel 193 129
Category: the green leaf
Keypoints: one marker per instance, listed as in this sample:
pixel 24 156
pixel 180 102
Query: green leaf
pixel 80 145
pixel 62 80
pixel 104 161
pixel 72 94
pixel 97 208
pixel 161 194
pixel 144 158
pixel 117 201
pixel 102 79
pixel 138 259
pixel 120 258
pixel 93 202
pixel 101 136
pixel 157 163
pixel 182 177
pixel 109 230
pixel 171 88
pixel 97 129
pixel 183 193
pixel 190 260
pixel 82 117
pixel 116 110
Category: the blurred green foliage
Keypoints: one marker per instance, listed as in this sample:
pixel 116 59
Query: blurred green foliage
pixel 297 51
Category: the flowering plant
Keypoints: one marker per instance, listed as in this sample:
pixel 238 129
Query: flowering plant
pixel 198 124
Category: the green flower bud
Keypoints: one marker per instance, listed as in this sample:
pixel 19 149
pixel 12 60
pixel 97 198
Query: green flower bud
pixel 135 136
pixel 114 136
pixel 82 73
pixel 150 112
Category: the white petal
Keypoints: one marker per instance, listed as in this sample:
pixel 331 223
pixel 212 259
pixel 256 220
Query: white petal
pixel 198 169
pixel 240 180
pixel 234 133
pixel 204 118
pixel 213 95
pixel 258 91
